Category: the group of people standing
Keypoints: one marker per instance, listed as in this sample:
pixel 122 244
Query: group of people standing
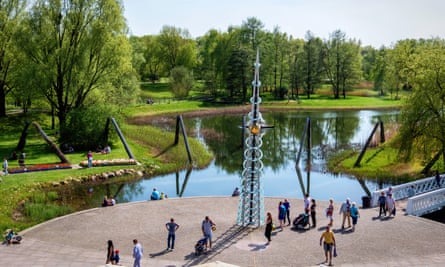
pixel 387 203
pixel 348 210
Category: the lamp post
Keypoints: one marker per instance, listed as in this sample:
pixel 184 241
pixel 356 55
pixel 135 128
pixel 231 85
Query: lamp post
pixel 251 203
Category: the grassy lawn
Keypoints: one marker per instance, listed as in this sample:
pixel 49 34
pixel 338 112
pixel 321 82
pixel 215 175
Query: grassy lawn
pixel 24 203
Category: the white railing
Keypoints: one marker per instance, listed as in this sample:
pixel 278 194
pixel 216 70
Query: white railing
pixel 426 203
pixel 403 191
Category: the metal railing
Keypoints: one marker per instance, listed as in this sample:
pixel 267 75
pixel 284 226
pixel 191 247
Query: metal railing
pixel 410 189
pixel 426 203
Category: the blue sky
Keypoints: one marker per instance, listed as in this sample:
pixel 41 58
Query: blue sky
pixel 376 22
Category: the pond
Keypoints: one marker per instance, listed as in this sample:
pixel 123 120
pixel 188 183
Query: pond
pixel 330 133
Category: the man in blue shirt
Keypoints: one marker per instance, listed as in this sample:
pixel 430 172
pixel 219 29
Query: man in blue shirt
pixel 171 228
pixel 155 194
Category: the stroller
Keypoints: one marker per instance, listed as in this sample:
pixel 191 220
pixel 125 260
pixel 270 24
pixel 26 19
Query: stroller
pixel 12 237
pixel 200 246
pixel 301 221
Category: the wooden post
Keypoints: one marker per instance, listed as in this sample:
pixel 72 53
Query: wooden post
pixel 362 153
pixel 121 136
pixel 184 134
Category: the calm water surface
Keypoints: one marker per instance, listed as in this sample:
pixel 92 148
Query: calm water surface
pixel 331 132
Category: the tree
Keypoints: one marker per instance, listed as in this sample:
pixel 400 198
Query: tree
pixel 10 16
pixel 398 65
pixel 76 48
pixel 423 115
pixel 208 47
pixel 341 63
pixel 177 48
pixel 312 64
pixel 181 81
pixel 236 77
pixel 379 70
pixel 296 66
pixel 281 50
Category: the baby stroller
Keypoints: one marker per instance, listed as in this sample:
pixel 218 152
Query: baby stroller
pixel 12 237
pixel 301 221
pixel 200 246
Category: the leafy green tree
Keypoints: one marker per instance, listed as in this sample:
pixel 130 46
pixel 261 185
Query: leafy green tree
pixel 177 48
pixel 342 63
pixel 181 81
pixel 209 48
pixel 281 48
pixel 11 12
pixel 379 70
pixel 251 31
pixel 423 117
pixel 312 64
pixel 154 65
pixel 90 124
pixel 236 77
pixel 296 67
pixel 138 60
pixel 399 66
pixel 76 47
pixel 369 58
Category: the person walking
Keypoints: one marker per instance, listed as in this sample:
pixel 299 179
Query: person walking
pixel 354 215
pixel 5 165
pixel 206 228
pixel 269 226
pixel 390 205
pixel 171 226
pixel 137 253
pixel 328 239
pixel 110 253
pixel 281 214
pixel 287 206
pixel 313 212
pixel 90 159
pixel 345 210
pixel 330 212
pixel 382 204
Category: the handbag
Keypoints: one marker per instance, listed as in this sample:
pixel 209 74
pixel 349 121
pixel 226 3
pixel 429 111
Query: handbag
pixel 213 228
pixel 335 252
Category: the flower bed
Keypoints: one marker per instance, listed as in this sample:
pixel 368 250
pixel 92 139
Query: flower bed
pixel 110 162
pixel 40 167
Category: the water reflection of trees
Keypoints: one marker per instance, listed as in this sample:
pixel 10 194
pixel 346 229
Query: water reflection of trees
pixel 280 144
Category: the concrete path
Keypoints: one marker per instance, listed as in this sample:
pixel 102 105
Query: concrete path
pixel 80 239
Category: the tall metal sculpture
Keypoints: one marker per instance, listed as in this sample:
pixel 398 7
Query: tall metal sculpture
pixel 251 203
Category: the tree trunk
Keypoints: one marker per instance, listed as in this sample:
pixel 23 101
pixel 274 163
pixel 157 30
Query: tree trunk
pixel 2 101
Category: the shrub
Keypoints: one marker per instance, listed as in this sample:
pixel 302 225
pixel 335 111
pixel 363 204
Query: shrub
pixel 85 127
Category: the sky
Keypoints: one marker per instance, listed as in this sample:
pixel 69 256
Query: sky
pixel 373 22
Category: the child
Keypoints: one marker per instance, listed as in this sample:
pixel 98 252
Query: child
pixel 116 257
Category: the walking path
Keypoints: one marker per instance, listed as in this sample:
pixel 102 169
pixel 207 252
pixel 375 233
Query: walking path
pixel 80 239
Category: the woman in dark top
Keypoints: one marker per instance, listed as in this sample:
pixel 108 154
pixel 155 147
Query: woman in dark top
pixel 110 253
pixel 313 212
pixel 269 223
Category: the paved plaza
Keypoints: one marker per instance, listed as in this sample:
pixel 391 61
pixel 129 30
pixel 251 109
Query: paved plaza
pixel 80 239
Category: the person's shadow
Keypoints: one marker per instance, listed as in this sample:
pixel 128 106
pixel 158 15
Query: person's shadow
pixel 157 254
